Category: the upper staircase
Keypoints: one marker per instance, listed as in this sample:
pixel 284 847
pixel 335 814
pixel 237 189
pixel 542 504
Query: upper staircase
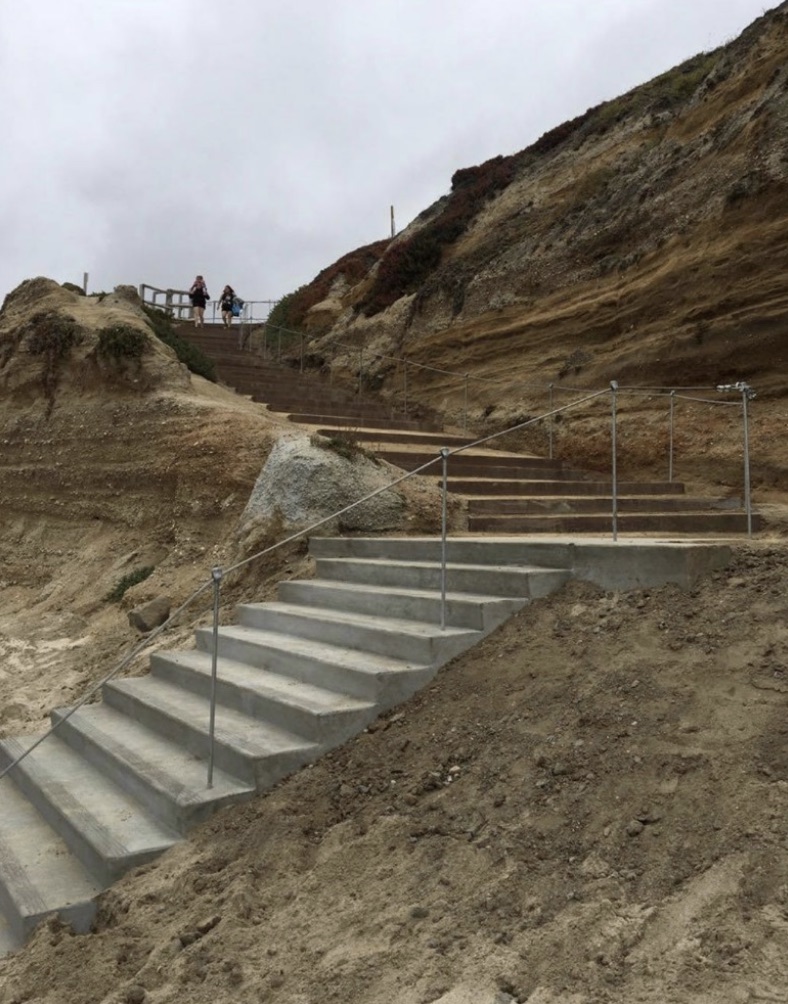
pixel 506 493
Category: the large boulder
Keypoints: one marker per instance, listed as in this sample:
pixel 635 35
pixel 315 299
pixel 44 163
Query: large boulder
pixel 307 479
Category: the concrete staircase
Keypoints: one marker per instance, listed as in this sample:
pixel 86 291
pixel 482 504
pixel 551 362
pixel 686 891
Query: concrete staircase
pixel 121 781
pixel 506 493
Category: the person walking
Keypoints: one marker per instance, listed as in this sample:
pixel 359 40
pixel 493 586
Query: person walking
pixel 229 304
pixel 199 296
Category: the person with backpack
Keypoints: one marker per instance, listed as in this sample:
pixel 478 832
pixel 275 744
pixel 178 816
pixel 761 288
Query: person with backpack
pixel 231 305
pixel 199 296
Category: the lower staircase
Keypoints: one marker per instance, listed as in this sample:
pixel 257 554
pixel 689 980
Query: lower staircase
pixel 121 781
pixel 506 493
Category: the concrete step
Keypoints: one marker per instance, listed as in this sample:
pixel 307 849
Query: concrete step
pixel 348 413
pixel 254 752
pixel 437 439
pixel 467 610
pixel 365 675
pixel 502 466
pixel 487 469
pixel 410 640
pixel 531 487
pixel 562 505
pixel 610 564
pixel 325 717
pixel 106 829
pixel 494 580
pixel 667 522
pixel 163 776
pixel 354 422
pixel 38 874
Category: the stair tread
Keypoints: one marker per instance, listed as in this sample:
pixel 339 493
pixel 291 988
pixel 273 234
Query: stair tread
pixel 450 566
pixel 109 818
pixel 232 728
pixel 426 594
pixel 391 625
pixel 36 867
pixel 166 766
pixel 308 696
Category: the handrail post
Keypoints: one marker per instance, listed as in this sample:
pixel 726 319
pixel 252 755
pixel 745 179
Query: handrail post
pixel 614 464
pixel 550 425
pixel 216 575
pixel 445 451
pixel 670 448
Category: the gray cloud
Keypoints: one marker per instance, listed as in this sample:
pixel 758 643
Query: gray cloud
pixel 255 142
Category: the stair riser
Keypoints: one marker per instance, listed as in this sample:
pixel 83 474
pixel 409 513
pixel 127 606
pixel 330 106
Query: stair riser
pixel 162 804
pixel 655 523
pixel 491 582
pixel 9 941
pixel 482 487
pixel 474 615
pixel 377 688
pixel 326 729
pixel 420 439
pixel 367 423
pixel 22 922
pixel 583 506
pixel 104 858
pixel 430 649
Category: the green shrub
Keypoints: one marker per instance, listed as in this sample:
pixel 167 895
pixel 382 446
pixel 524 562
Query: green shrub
pixel 121 341
pixel 72 287
pixel 130 579
pixel 190 355
pixel 408 263
pixel 52 336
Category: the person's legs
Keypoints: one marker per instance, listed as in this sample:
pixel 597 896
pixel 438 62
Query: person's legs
pixel 227 317
pixel 199 313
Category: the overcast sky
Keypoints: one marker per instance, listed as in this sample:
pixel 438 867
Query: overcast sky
pixel 256 141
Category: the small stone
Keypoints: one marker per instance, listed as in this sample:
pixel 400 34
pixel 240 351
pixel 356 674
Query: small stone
pixel 150 615
pixel 634 828
pixel 135 994
pixel 419 912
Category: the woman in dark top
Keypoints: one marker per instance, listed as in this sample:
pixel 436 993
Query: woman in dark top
pixel 227 302
pixel 198 294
